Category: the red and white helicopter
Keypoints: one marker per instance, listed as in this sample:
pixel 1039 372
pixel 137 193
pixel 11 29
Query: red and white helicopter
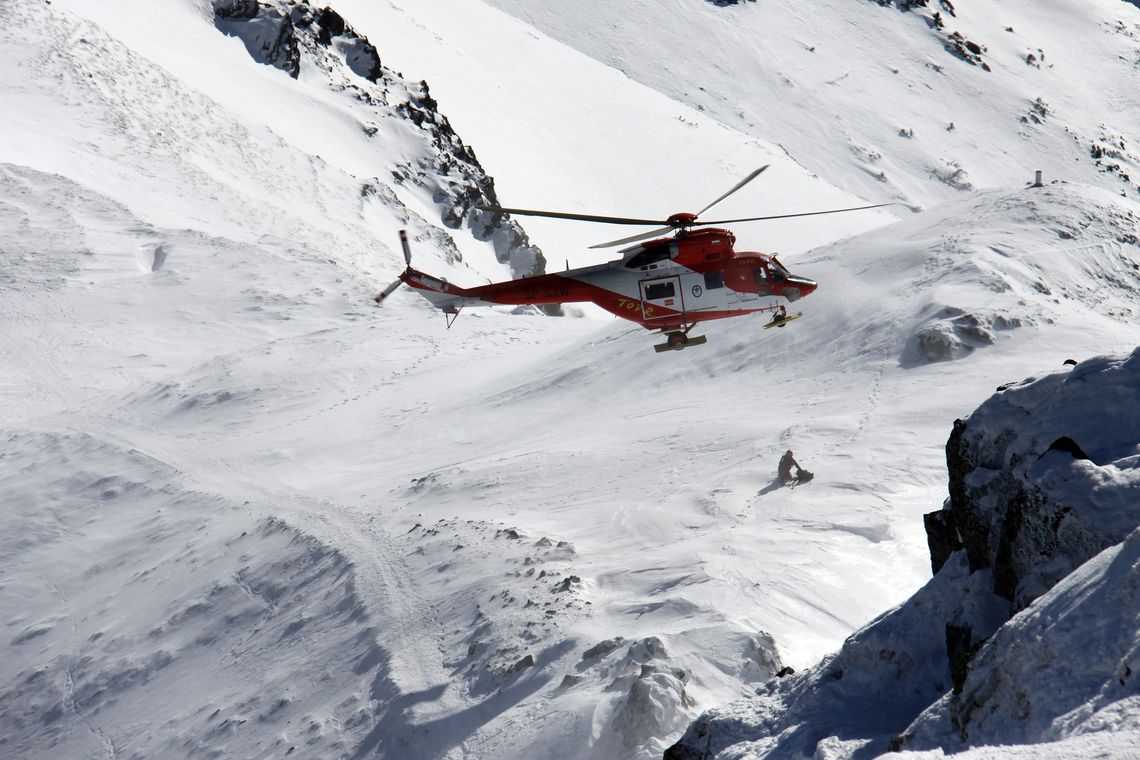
pixel 669 284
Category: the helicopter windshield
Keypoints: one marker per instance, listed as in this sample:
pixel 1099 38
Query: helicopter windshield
pixel 778 269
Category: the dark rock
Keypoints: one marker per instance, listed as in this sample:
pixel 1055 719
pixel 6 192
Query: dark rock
pixel 695 744
pixel 568 583
pixel 787 670
pixel 1069 446
pixel 235 9
pixel 268 34
pixel 331 25
pixel 959 463
pixel 603 648
pixel 960 647
pixel 364 59
pixel 1005 571
pixel 941 537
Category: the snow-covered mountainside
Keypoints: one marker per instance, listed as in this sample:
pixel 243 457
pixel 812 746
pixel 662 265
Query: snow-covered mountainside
pixel 243 512
pixel 1048 532
pixel 916 100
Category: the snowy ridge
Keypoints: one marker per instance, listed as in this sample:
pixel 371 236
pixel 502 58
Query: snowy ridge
pixel 1026 258
pixel 143 604
pixel 917 101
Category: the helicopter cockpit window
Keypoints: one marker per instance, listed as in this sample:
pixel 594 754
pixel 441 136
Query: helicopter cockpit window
pixel 659 290
pixel 778 270
pixel 645 258
pixel 761 276
pixel 714 280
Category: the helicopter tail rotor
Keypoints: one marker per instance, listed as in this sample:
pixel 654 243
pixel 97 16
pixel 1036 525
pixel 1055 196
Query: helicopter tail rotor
pixel 379 297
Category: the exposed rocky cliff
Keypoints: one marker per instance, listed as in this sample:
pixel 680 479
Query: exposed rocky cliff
pixel 1034 477
pixel 293 35
pixel 1030 628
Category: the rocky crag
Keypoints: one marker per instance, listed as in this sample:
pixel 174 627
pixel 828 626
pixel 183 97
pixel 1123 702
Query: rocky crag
pixel 292 35
pixel 1029 629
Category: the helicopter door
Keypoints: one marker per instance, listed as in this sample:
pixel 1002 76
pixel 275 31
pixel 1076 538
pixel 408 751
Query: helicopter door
pixel 661 297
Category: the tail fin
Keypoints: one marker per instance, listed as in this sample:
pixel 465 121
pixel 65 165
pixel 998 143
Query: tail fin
pixel 440 293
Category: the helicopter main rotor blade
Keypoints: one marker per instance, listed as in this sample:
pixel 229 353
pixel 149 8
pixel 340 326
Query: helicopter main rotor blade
pixel 577 217
pixel 635 238
pixel 789 216
pixel 736 187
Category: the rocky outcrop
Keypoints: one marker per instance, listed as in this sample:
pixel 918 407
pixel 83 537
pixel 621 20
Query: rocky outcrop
pixel 1065 667
pixel 267 33
pixel 1029 630
pixel 954 42
pixel 1026 500
pixel 292 35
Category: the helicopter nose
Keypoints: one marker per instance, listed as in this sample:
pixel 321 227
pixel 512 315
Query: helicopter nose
pixel 798 287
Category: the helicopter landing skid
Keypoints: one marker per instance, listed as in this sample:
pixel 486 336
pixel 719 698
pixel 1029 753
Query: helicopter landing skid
pixel 678 339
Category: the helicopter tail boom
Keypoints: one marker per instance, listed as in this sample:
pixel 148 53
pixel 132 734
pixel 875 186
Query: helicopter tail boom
pixel 442 294
pixel 537 289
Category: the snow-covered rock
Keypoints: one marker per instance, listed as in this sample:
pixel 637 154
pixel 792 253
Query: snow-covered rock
pixel 1037 524
pixel 1043 475
pixel 1066 666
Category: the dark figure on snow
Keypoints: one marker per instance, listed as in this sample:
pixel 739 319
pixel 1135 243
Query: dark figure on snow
pixel 787 462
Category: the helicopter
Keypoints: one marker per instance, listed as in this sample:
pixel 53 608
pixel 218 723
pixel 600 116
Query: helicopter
pixel 665 284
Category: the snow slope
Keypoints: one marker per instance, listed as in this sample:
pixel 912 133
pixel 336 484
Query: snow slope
pixel 879 98
pixel 246 512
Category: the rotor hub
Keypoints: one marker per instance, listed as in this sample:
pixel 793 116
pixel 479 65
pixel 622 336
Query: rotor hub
pixel 681 221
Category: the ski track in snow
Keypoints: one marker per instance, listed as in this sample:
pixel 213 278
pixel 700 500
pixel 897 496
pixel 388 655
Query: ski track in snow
pixel 69 679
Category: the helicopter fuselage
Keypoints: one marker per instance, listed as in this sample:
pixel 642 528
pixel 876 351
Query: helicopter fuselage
pixel 665 284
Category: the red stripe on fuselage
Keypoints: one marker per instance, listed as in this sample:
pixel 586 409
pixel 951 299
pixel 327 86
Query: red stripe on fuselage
pixel 556 288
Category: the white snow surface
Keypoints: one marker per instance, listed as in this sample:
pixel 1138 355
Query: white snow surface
pixel 246 514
